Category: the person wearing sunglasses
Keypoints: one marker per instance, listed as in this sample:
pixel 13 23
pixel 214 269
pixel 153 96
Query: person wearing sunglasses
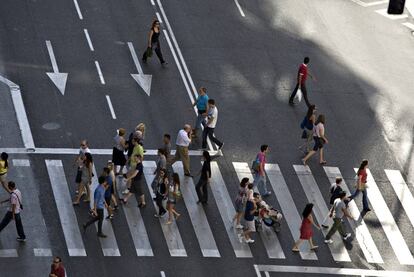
pixel 57 269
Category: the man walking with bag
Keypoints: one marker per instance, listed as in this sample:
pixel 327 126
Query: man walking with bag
pixel 303 73
pixel 13 212
pixel 98 207
pixel 338 211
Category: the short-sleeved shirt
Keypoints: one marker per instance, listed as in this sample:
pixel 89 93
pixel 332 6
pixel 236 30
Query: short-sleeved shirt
pixel 202 102
pixel 167 149
pixel 3 168
pixel 338 206
pixel 161 162
pixel 364 175
pixel 261 157
pixel 15 196
pixel 140 169
pixel 59 271
pixel 99 197
pixel 212 114
pixel 205 169
pixel 248 211
pixel 138 150
pixel 319 130
pixel 335 190
pixel 183 139
pixel 303 71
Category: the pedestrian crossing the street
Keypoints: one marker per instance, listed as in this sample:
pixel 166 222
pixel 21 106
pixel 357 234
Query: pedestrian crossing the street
pixel 223 195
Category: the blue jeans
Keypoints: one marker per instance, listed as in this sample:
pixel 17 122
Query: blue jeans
pixel 200 120
pixel 19 226
pixel 364 197
pixel 260 183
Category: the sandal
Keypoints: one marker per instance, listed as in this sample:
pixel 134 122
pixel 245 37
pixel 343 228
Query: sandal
pixel 295 250
pixel 322 163
pixel 315 247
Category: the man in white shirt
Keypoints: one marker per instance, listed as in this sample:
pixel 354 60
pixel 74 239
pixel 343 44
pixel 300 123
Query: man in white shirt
pixel 13 212
pixel 211 124
pixel 181 153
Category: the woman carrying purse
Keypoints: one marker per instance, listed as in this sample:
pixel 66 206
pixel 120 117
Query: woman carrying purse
pixel 361 185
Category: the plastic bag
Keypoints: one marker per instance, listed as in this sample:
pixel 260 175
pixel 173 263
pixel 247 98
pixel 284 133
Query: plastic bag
pixel 298 95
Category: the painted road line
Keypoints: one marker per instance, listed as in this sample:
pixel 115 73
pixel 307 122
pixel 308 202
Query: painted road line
pixel 387 221
pixel 330 270
pixel 135 223
pixel 144 80
pixel 239 7
pixel 375 3
pixel 271 242
pixel 88 38
pixel 158 17
pixel 197 215
pixel 8 253
pixel 227 211
pixel 111 108
pixel 362 234
pixel 152 2
pixel 58 78
pixel 67 215
pixel 108 244
pixel 320 209
pixel 171 233
pixel 21 115
pixel 289 210
pixel 21 162
pixel 42 252
pixel 383 12
pixel 409 25
pixel 101 77
pixel 78 9
pixel 402 191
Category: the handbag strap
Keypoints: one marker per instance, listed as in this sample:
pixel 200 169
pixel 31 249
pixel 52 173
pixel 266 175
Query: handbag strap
pixel 20 203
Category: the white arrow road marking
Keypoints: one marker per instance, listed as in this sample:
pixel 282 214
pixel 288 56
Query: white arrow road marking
pixel 58 78
pixel 144 80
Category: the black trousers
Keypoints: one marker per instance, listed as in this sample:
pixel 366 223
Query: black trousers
pixel 201 189
pixel 98 218
pixel 304 92
pixel 210 132
pixel 158 200
pixel 19 226
pixel 157 48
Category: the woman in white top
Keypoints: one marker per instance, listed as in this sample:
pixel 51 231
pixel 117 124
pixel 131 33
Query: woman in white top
pixel 320 140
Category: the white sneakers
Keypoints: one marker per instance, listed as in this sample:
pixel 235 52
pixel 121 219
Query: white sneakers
pixel 125 191
pixel 329 241
pixel 241 237
pixel 239 226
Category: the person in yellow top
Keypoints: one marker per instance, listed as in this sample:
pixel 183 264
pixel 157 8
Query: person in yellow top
pixel 4 167
pixel 137 150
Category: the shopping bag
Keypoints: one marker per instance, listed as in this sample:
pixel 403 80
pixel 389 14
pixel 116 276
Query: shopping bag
pixel 298 95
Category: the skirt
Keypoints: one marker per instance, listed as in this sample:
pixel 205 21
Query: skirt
pixel 118 157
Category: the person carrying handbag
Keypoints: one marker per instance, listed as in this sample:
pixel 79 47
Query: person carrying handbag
pixel 361 185
pixel 154 43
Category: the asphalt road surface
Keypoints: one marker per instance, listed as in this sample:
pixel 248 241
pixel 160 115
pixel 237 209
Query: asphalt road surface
pixel 246 53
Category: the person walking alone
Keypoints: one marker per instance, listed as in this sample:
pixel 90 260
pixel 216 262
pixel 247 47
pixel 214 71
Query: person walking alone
pixel 260 174
pixel 181 153
pixel 99 205
pixel 361 185
pixel 118 156
pixel 306 231
pixel 303 73
pixel 13 212
pixel 57 269
pixel 338 211
pixel 320 139
pixel 211 125
pixel 154 43
pixel 205 175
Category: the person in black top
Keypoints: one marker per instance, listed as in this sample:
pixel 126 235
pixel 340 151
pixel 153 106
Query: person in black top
pixel 335 190
pixel 137 187
pixel 154 43
pixel 201 187
pixel 161 192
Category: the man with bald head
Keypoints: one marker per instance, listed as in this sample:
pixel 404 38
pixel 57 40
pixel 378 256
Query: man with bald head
pixel 181 152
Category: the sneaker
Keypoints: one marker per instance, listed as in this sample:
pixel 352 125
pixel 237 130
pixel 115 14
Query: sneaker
pixel 156 215
pixel 249 241
pixel 267 193
pixel 325 226
pixel 328 241
pixel 125 191
pixel 347 236
pixel 239 226
pixel 367 210
pixel 101 235
pixel 21 239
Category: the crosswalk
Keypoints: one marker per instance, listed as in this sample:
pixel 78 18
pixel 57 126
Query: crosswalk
pixel 223 194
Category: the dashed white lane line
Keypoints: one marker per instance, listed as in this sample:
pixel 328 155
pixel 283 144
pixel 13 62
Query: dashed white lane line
pixel 162 274
pixel 88 38
pixel 111 108
pixel 383 12
pixel 239 7
pixel 158 17
pixel 152 2
pixel 98 68
pixel 78 9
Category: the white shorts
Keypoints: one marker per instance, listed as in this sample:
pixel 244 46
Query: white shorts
pixel 250 226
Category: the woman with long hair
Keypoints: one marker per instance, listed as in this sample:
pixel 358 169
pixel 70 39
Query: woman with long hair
pixel 118 156
pixel 205 175
pixel 4 168
pixel 307 125
pixel 173 193
pixel 361 185
pixel 306 231
pixel 240 201
pixel 154 43
pixel 319 138
pixel 161 192
pixel 86 178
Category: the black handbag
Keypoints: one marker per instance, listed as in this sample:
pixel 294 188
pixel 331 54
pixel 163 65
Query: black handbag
pixel 304 134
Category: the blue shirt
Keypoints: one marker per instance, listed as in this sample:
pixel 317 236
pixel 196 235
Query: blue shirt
pixel 247 213
pixel 99 196
pixel 202 102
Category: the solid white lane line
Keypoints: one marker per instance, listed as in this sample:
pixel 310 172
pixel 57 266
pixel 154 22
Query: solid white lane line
pixel 320 209
pixel 98 68
pixel 362 234
pixel 387 221
pixel 383 12
pixel 239 7
pixel 78 9
pixel 332 271
pixel 289 210
pixel 197 215
pixel 227 211
pixel 111 108
pixel 402 191
pixel 88 39
pixel 171 233
pixel 108 244
pixel 21 162
pixel 66 212
pixel 158 17
pixel 271 242
pixel 135 223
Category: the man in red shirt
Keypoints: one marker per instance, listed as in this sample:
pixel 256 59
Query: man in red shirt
pixel 303 73
pixel 57 269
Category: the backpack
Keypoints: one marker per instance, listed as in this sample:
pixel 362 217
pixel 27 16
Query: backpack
pixel 255 165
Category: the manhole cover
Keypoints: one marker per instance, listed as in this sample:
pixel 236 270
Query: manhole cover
pixel 51 126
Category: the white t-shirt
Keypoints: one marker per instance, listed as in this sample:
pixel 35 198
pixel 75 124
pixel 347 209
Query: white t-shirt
pixel 15 196
pixel 183 139
pixel 212 114
pixel 318 130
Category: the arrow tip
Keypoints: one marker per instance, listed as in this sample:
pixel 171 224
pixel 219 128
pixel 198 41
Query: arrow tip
pixel 144 80
pixel 59 79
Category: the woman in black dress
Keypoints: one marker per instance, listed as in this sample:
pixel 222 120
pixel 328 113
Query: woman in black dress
pixel 201 187
pixel 154 43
